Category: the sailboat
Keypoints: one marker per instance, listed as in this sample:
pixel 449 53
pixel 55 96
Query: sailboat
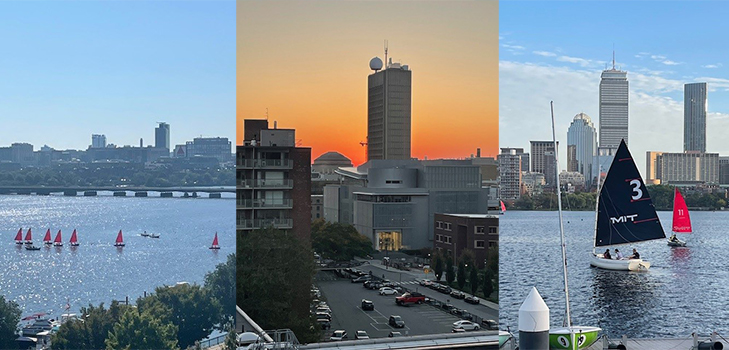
pixel 19 237
pixel 568 336
pixel 625 213
pixel 28 237
pixel 681 219
pixel 503 208
pixel 74 239
pixel 47 238
pixel 119 240
pixel 57 242
pixel 215 242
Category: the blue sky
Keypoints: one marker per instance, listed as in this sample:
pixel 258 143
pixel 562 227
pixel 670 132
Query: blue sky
pixel 75 68
pixel 556 51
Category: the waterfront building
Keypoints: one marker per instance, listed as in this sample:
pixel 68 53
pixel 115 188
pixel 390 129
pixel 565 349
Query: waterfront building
pixel 525 159
pixel 98 141
pixel 162 136
pixel 216 147
pixel 538 150
pixel 614 95
pixel 389 100
pixel 509 174
pixel 582 138
pixel 532 183
pixel 695 107
pixel 724 170
pixel 572 181
pixel 456 232
pixel 273 181
pixel 683 168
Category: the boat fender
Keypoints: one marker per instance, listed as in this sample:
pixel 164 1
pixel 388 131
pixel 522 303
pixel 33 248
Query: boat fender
pixel 709 345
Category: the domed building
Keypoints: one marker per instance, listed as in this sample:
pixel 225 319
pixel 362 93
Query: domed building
pixel 328 162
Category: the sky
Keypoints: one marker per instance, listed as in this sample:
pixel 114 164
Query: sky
pixel 75 68
pixel 307 62
pixel 557 50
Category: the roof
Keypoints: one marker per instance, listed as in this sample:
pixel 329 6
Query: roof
pixel 474 216
pixel 333 158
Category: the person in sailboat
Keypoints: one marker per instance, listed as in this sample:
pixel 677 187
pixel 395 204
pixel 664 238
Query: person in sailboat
pixel 618 254
pixel 635 255
pixel 673 238
pixel 606 255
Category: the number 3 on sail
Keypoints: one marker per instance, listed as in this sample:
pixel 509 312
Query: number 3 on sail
pixel 636 189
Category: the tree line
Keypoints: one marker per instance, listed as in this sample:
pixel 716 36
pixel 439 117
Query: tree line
pixel 467 275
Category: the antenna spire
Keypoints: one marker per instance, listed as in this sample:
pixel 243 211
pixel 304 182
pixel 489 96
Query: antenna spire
pixel 266 113
pixel 613 56
pixel 385 53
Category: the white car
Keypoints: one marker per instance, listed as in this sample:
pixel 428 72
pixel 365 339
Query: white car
pixel 387 291
pixel 339 335
pixel 361 335
pixel 465 325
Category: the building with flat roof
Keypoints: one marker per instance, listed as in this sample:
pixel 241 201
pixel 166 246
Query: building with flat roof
pixel 509 174
pixel 538 151
pixel 389 101
pixel 216 147
pixel 695 107
pixel 457 232
pixel 162 136
pixel 683 168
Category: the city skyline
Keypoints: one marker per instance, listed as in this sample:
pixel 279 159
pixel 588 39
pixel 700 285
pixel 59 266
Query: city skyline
pixel 116 69
pixel 317 83
pixel 536 68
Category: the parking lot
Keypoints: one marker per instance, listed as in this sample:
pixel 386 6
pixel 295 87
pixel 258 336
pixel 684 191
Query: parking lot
pixel 344 299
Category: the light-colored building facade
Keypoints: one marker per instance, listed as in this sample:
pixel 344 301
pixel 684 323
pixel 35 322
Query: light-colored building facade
pixel 582 135
pixel 217 147
pixel 572 180
pixel 98 141
pixel 389 103
pixel 509 174
pixel 532 183
pixel 614 95
pixel 695 107
pixel 691 167
pixel 538 150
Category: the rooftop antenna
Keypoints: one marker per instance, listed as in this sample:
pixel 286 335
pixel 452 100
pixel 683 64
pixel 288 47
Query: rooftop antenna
pixel 613 56
pixel 386 52
pixel 266 113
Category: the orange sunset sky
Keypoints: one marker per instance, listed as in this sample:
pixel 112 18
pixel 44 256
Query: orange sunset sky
pixel 308 62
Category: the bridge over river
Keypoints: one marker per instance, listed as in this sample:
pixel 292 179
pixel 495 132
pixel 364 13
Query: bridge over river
pixel 136 191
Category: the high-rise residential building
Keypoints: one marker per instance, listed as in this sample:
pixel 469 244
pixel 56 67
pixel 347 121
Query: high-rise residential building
pixel 613 107
pixel 583 138
pixel 98 141
pixel 273 181
pixel 550 169
pixel 218 147
pixel 509 174
pixel 388 111
pixel 692 167
pixel 520 152
pixel 695 107
pixel 538 149
pixel 724 170
pixel 162 136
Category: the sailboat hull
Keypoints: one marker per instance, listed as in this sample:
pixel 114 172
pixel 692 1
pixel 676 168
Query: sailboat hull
pixel 559 338
pixel 619 265
pixel 677 243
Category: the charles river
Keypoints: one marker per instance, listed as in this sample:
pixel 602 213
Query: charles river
pixel 96 271
pixel 685 290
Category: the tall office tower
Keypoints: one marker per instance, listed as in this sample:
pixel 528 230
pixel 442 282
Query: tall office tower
pixel 388 111
pixel 583 137
pixel 695 107
pixel 572 158
pixel 538 149
pixel 98 141
pixel 613 107
pixel 162 136
pixel 509 173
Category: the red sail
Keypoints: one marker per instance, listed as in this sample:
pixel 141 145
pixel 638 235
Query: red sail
pixel 74 239
pixel 58 237
pixel 119 238
pixel 215 240
pixel 503 207
pixel 28 236
pixel 47 238
pixel 681 219
pixel 19 236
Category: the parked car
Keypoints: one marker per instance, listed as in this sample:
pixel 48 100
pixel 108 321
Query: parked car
pixel 396 321
pixel 462 314
pixel 425 283
pixel 387 283
pixel 490 324
pixel 374 285
pixel 387 291
pixel 361 279
pixel 361 335
pixel 367 305
pixel 324 323
pixel 325 309
pixel 458 294
pixel 466 325
pixel 448 307
pixel 472 299
pixel 338 335
pixel 410 298
pixel 324 315
pixel 394 334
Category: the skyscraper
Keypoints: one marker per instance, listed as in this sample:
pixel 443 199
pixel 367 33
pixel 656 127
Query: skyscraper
pixel 162 136
pixel 98 141
pixel 388 113
pixel 583 137
pixel 538 151
pixel 695 107
pixel 613 107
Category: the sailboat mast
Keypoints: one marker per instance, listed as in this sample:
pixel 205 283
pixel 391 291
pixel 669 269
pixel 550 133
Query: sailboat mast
pixel 597 203
pixel 675 189
pixel 567 320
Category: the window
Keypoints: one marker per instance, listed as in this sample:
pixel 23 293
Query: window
pixel 447 226
pixel 438 224
pixel 317 216
pixel 493 244
pixel 437 238
pixel 480 230
pixel 493 230
pixel 479 244
pixel 393 181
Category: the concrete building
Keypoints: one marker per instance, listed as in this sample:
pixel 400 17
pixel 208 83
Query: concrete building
pixel 22 153
pixel 98 141
pixel 532 183
pixel 273 181
pixel 572 158
pixel 684 168
pixel 317 206
pixel 582 136
pixel 538 149
pixel 614 95
pixel 525 160
pixel 550 169
pixel 651 167
pixel 724 170
pixel 509 174
pixel 456 232
pixel 695 107
pixel 162 136
pixel 393 202
pixel 216 147
pixel 389 100
pixel 572 181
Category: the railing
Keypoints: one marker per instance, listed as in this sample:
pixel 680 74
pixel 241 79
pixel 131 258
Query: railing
pixel 262 183
pixel 207 343
pixel 265 203
pixel 265 163
pixel 263 223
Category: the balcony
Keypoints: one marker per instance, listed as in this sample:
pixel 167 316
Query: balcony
pixel 265 163
pixel 246 224
pixel 264 203
pixel 268 184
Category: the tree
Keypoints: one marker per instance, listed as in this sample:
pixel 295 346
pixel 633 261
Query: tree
pixel 9 318
pixel 137 330
pixel 187 306
pixel 340 242
pixel 438 265
pixel 91 333
pixel 467 257
pixel 488 284
pixel 220 283
pixel 473 280
pixel 461 275
pixel 449 271
pixel 230 339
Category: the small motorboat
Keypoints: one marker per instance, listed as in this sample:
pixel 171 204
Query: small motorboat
pixel 31 247
pixel 154 235
pixel 144 234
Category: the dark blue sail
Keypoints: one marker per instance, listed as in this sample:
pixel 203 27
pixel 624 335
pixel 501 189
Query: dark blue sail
pixel 625 212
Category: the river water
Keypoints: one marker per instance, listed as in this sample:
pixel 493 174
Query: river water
pixel 685 290
pixel 96 271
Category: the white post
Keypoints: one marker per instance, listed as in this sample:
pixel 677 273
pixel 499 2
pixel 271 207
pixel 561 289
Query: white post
pixel 534 323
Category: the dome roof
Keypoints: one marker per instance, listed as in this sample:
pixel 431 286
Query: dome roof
pixel 333 158
pixel 583 116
